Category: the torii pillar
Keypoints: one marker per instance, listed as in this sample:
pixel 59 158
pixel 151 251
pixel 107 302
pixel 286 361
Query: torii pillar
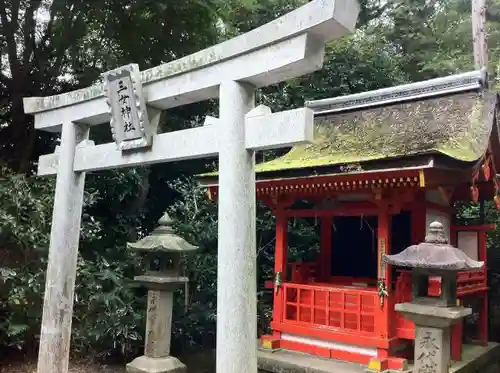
pixel 290 46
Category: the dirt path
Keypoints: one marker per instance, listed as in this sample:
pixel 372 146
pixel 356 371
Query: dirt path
pixel 76 368
pixel 201 362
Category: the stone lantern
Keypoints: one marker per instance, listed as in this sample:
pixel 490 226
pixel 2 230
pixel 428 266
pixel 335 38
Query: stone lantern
pixel 162 249
pixel 433 315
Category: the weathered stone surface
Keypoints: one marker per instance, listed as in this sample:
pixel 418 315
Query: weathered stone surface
pixel 237 250
pixel 55 332
pixel 261 132
pixel 145 364
pixel 167 283
pixel 434 253
pixel 286 48
pixel 163 239
pixel 325 19
pixel 475 359
pixel 159 323
pixel 431 315
pixel 292 362
pixel 420 287
pixel 432 350
pixel 130 125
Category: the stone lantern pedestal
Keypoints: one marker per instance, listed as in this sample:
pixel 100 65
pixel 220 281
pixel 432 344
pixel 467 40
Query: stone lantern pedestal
pixel 163 249
pixel 433 316
pixel 433 334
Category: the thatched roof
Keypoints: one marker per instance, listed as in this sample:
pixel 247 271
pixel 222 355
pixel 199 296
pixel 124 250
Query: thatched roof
pixel 456 126
pixel 449 118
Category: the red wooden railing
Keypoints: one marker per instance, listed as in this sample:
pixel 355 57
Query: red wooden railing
pixel 344 309
pixel 347 309
pixel 467 283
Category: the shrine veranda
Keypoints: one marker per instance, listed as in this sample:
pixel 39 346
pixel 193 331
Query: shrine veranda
pixel 132 101
pixel 392 160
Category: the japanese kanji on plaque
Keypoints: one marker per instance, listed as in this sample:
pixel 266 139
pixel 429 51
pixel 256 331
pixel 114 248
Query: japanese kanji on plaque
pixel 129 118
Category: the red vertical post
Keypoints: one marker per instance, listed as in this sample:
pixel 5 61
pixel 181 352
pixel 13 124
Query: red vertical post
pixel 280 265
pixel 418 219
pixel 384 272
pixel 457 330
pixel 456 341
pixel 325 257
pixel 483 315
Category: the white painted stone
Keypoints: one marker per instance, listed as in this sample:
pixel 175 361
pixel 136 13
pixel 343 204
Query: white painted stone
pixel 236 254
pixel 261 132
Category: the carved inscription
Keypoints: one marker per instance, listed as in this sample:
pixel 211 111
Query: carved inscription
pixel 381 253
pixel 427 359
pixel 124 96
pixel 152 314
pixel 125 107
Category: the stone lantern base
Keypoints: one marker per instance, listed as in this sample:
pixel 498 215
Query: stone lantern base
pixel 146 364
pixel 433 328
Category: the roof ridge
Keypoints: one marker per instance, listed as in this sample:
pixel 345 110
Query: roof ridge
pixel 469 81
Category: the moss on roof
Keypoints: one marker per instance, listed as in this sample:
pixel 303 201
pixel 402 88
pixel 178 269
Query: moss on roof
pixel 457 126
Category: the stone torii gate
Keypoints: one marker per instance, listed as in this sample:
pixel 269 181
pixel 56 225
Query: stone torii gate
pixel 132 101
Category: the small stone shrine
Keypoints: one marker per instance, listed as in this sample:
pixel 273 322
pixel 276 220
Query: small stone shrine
pixel 163 249
pixel 433 315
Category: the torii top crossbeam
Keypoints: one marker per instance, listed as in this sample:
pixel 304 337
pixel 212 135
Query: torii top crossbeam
pixel 287 47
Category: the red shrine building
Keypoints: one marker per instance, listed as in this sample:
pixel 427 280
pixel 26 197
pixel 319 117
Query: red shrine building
pixel 384 165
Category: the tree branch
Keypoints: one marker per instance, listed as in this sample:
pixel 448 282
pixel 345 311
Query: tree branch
pixel 29 32
pixel 9 28
pixel 5 81
pixel 71 18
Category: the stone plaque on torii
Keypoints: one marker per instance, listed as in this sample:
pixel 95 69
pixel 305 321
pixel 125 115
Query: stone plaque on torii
pixel 290 46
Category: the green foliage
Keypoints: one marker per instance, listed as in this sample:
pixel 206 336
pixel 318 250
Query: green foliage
pixel 397 41
pixel 108 313
pixel 25 215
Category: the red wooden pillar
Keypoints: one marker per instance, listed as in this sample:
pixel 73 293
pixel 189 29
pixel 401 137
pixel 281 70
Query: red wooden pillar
pixel 418 219
pixel 280 265
pixel 384 273
pixel 483 315
pixel 457 331
pixel 325 257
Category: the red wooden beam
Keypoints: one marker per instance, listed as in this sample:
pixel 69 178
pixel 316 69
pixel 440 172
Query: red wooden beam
pixel 280 266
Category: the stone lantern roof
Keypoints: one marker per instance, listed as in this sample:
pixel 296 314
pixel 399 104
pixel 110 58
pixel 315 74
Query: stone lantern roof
pixel 163 239
pixel 434 253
